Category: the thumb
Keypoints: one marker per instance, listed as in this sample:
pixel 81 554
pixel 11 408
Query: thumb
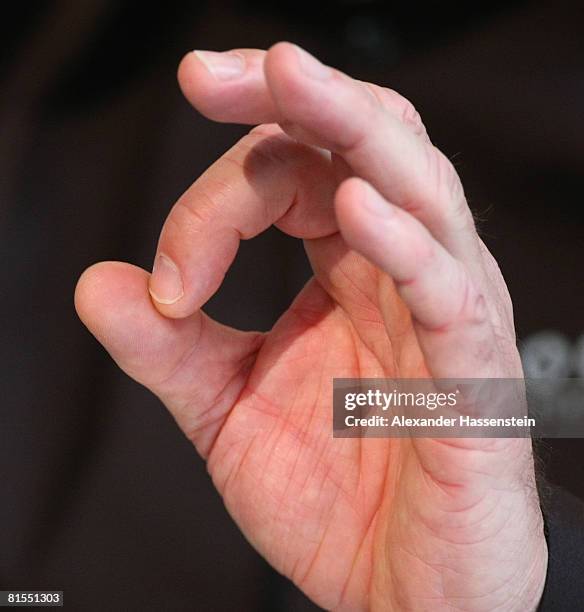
pixel 195 365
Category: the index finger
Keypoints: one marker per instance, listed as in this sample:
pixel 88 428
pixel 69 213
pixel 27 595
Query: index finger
pixel 266 178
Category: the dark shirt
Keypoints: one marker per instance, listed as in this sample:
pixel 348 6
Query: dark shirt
pixel 564 526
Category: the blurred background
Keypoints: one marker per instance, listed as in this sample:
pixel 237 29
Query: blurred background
pixel 102 496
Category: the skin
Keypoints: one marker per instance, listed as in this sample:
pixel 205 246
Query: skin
pixel 402 287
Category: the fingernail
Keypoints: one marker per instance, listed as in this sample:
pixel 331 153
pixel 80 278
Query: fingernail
pixel 372 202
pixel 311 66
pixel 166 286
pixel 223 66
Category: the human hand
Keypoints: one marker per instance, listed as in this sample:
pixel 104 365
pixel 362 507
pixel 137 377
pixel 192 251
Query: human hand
pixel 402 287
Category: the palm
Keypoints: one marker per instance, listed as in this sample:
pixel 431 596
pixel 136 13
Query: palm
pixel 308 502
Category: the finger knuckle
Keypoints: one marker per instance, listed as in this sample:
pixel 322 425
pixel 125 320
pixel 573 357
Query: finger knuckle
pixel 265 147
pixel 444 187
pixel 411 117
pixel 405 111
pixel 444 179
pixel 187 219
pixel 201 205
pixel 473 304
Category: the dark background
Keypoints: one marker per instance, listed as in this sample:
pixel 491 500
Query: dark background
pixel 101 496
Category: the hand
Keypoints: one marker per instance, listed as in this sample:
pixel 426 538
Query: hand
pixel 402 287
